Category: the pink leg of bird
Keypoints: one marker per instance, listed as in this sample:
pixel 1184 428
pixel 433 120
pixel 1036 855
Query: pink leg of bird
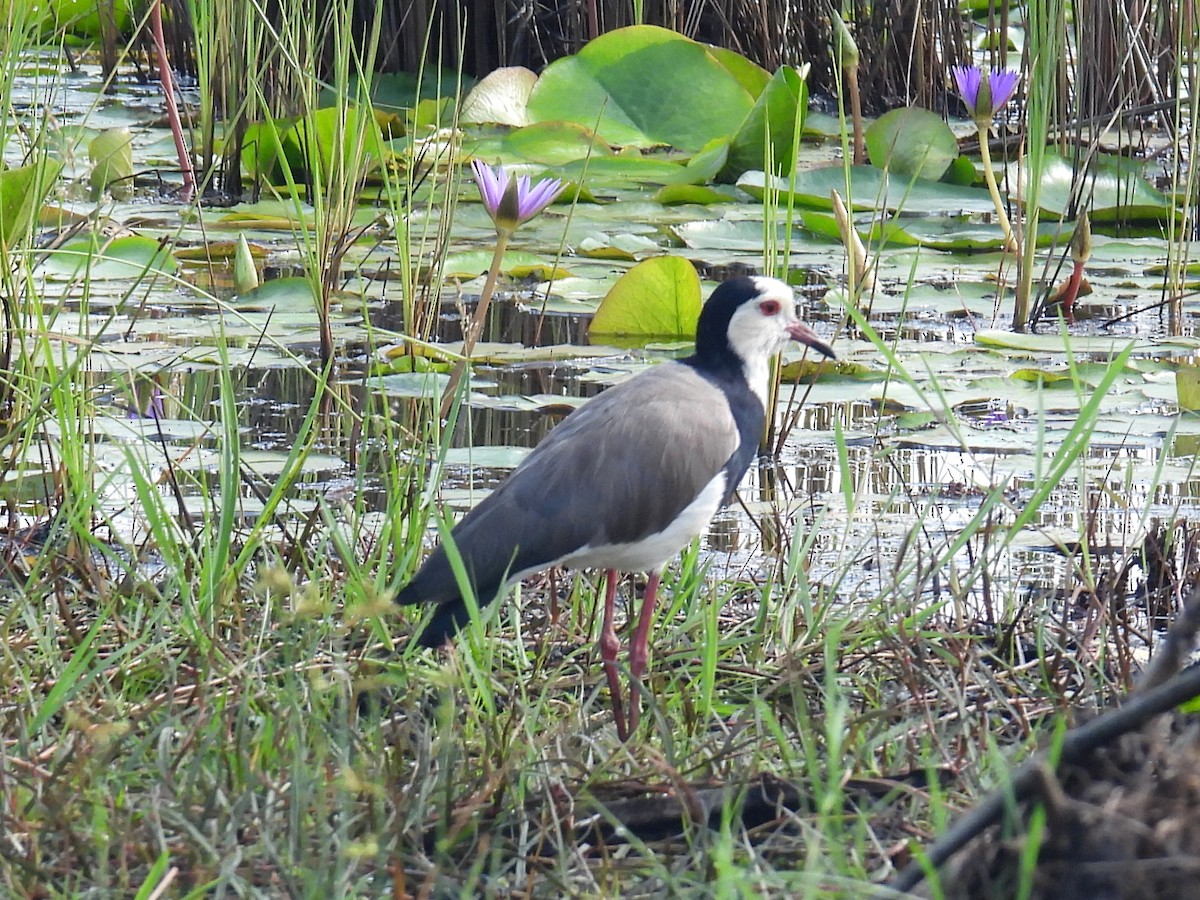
pixel 639 650
pixel 609 645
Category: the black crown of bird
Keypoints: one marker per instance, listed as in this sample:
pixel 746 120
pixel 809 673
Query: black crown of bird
pixel 629 479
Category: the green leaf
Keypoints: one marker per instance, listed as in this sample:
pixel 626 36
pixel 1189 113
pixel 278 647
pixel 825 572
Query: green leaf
pixel 657 298
pixel 641 86
pixel 111 154
pixel 675 194
pixel 516 263
pixel 554 143
pixel 871 189
pixel 1112 188
pixel 22 192
pixel 1187 388
pixel 776 121
pixel 81 18
pixel 121 258
pixel 911 141
pixel 291 294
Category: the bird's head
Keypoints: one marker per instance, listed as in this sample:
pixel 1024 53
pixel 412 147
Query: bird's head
pixel 752 318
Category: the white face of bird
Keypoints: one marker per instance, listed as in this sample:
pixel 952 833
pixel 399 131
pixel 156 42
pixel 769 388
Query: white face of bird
pixel 763 326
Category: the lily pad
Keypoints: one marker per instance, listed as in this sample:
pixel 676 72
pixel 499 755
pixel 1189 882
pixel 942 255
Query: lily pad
pixel 554 143
pixel 1113 189
pixel 911 141
pixel 111 155
pixel 1055 343
pixel 639 86
pixel 501 97
pixel 121 258
pixel 771 132
pixel 516 263
pixel 1187 386
pixel 293 293
pixel 495 457
pixel 870 188
pixel 659 297
pixel 22 192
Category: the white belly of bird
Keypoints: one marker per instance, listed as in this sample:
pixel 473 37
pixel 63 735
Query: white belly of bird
pixel 653 552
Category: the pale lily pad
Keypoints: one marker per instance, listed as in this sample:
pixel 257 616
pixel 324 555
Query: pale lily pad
pixel 487 457
pixel 294 294
pixel 501 97
pixel 248 509
pixel 1187 386
pixel 1058 342
pixel 111 154
pixel 272 463
pixel 659 297
pixel 638 86
pixel 617 246
pixel 142 429
pixel 528 403
pixel 410 385
pixel 28 485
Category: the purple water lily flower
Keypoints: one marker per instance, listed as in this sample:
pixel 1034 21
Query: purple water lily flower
pixel 985 96
pixel 513 201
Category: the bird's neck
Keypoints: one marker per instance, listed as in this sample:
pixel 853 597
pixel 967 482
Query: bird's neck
pixel 728 367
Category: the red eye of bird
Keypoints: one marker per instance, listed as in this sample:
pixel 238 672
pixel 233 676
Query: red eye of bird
pixel 769 307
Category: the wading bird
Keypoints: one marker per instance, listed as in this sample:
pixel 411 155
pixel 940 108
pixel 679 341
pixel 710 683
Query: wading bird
pixel 630 478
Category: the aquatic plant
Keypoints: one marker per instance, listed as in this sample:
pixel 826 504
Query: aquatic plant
pixel 511 202
pixel 985 94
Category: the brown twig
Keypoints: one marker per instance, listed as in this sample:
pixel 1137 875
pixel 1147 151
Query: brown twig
pixel 1151 700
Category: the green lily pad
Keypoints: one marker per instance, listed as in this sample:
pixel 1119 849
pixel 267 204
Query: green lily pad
pixel 22 193
pixel 1187 388
pixel 638 86
pixel 772 129
pixel 911 141
pixel 657 298
pixel 293 293
pixel 123 258
pixel 870 189
pixel 554 143
pixel 628 170
pixel 677 194
pixel 111 155
pixel 1113 189
pixel 516 263
pixel 305 142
